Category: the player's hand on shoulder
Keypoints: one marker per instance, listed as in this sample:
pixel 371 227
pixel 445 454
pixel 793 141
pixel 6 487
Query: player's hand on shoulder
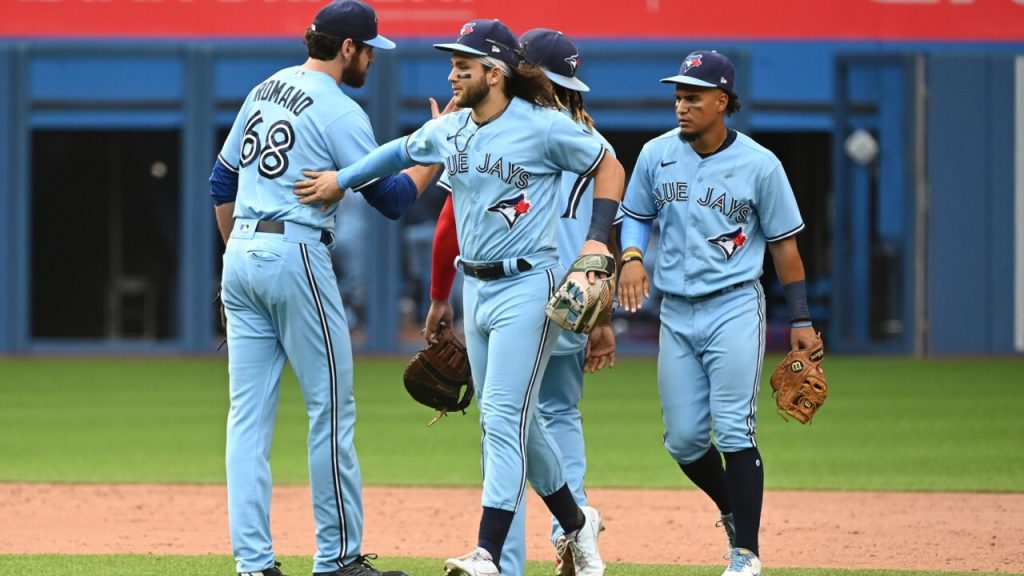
pixel 321 187
pixel 634 285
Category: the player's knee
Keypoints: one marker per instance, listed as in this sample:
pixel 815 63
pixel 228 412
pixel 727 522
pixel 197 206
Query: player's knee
pixel 686 447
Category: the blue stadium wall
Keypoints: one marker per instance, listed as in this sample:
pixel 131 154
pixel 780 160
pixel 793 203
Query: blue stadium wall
pixel 962 265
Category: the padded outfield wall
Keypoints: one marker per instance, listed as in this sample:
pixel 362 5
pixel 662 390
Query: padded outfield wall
pixel 919 251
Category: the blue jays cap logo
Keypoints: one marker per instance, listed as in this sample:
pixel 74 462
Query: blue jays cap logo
pixel 573 61
pixel 730 242
pixel 692 61
pixel 466 29
pixel 511 209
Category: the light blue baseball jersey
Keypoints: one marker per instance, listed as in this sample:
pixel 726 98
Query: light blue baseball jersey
pixel 507 180
pixel 577 202
pixel 279 132
pixel 716 213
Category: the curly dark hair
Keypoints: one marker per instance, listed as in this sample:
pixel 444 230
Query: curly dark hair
pixel 733 105
pixel 531 84
pixel 572 101
pixel 322 46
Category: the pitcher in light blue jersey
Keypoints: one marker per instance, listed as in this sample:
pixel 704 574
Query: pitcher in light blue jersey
pixel 280 293
pixel 720 199
pixel 504 155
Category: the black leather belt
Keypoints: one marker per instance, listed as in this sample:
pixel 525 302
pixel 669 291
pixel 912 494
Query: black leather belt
pixel 277 227
pixel 492 270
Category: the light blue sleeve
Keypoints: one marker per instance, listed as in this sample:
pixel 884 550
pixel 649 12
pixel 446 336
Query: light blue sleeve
pixel 638 206
pixel 570 148
pixel 384 161
pixel 422 145
pixel 231 151
pixel 637 202
pixel 778 211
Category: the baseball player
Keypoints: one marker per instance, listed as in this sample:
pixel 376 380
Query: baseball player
pixel 504 154
pixel 719 198
pixel 280 293
pixel 562 386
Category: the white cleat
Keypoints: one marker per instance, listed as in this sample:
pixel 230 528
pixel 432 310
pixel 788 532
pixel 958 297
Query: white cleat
pixel 743 562
pixel 476 563
pixel 583 545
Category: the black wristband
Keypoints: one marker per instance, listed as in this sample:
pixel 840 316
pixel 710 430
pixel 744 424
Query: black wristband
pixel 796 298
pixel 601 219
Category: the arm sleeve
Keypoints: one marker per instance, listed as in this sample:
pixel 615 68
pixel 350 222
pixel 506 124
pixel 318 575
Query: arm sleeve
pixel 638 206
pixel 223 183
pixel 778 212
pixel 388 159
pixel 391 196
pixel 446 249
pixel 570 148
pixel 636 233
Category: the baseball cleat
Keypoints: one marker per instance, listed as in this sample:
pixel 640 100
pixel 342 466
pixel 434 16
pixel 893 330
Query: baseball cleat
pixel 274 570
pixel 729 524
pixel 476 563
pixel 583 545
pixel 743 563
pixel 360 567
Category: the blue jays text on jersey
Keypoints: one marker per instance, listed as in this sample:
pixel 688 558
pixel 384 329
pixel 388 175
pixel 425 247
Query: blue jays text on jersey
pixel 717 213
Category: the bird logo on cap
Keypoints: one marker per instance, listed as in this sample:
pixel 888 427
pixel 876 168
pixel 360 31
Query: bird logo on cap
pixel 467 28
pixel 573 61
pixel 692 61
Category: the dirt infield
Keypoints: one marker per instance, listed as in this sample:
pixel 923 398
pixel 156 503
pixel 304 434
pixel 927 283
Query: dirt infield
pixel 946 531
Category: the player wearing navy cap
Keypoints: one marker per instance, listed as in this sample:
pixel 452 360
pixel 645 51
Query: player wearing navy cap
pixel 280 293
pixel 504 155
pixel 720 199
pixel 562 387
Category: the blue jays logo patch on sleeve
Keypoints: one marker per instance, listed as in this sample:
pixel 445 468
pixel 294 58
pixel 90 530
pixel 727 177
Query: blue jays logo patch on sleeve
pixel 511 209
pixel 730 242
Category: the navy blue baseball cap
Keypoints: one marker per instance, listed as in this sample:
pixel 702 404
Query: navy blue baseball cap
pixel 353 19
pixel 485 38
pixel 708 69
pixel 556 53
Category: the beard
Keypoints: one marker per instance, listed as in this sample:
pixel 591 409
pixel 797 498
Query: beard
pixel 472 94
pixel 689 137
pixel 353 74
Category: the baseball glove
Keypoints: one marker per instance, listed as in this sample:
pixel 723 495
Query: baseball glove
pixel 798 383
pixel 577 305
pixel 436 375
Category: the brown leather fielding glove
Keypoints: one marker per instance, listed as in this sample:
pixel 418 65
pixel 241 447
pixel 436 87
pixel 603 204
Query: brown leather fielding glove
pixel 436 375
pixel 798 383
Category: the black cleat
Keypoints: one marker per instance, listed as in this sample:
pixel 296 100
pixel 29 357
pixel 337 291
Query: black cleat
pixel 274 570
pixel 360 567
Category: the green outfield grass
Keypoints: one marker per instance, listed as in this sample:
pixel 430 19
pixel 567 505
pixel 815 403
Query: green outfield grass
pixel 189 565
pixel 889 424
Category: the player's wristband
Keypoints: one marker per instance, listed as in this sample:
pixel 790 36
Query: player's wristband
pixel 801 323
pixel 601 219
pixel 630 255
pixel 796 298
